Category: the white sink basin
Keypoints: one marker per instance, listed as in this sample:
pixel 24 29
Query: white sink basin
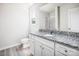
pixel 47 35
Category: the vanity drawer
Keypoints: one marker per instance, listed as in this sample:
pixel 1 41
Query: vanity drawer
pixel 45 41
pixel 67 50
pixel 61 49
pixel 58 54
pixel 32 36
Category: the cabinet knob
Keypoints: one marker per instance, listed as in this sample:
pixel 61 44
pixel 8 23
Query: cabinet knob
pixel 69 28
pixel 66 51
pixel 42 47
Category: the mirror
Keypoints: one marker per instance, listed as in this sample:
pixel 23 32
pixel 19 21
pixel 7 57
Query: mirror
pixel 62 16
pixel 56 16
pixel 51 11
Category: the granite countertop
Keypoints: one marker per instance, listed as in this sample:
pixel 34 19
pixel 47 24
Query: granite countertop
pixel 57 39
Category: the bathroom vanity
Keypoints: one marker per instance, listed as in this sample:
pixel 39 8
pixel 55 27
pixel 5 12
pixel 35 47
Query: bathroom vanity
pixel 41 47
pixel 49 46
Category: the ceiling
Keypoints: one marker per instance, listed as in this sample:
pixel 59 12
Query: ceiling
pixel 50 7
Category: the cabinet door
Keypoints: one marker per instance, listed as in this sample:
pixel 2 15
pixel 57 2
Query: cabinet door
pixel 58 54
pixel 73 19
pixel 32 46
pixel 46 51
pixel 37 48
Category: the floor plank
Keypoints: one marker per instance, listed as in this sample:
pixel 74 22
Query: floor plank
pixel 15 51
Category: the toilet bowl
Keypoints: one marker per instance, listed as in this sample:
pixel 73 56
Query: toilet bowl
pixel 25 42
pixel 24 48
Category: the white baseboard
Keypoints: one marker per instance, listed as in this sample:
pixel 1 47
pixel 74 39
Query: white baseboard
pixel 10 46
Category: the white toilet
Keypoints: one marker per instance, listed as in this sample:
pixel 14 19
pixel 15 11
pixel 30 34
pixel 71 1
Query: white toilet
pixel 25 42
pixel 25 46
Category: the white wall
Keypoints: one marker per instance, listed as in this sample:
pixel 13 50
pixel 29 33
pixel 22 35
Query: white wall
pixel 14 22
pixel 34 14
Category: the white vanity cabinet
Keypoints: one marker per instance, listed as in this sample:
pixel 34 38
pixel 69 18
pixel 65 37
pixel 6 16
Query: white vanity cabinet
pixel 46 51
pixel 35 46
pixel 32 44
pixel 38 48
pixel 41 47
pixel 43 50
